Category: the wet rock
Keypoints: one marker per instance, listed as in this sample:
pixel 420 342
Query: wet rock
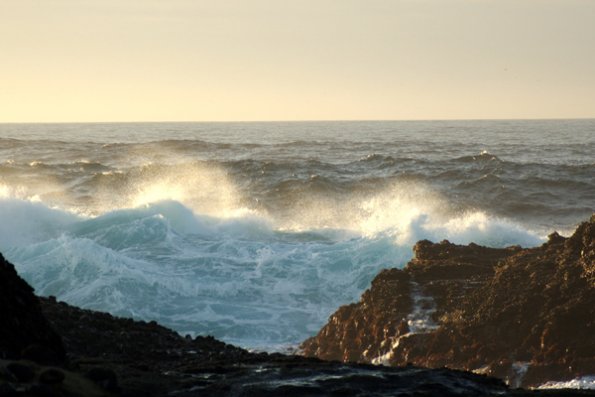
pixel 22 372
pixel 104 377
pixel 51 376
pixel 471 307
pixel 160 362
pixel 41 390
pixel 8 390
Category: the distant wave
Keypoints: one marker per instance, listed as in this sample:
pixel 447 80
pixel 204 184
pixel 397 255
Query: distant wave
pixel 483 157
pixel 280 188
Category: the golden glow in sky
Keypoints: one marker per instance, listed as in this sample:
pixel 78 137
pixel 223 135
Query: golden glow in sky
pixel 199 60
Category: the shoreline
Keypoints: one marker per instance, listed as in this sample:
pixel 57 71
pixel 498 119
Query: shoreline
pixel 76 351
pixel 523 315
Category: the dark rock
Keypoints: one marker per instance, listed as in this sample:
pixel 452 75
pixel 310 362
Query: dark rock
pixel 51 376
pixel 104 377
pixel 40 354
pixel 41 390
pixel 8 390
pixel 23 324
pixel 6 375
pixel 22 372
pixel 496 309
pixel 159 362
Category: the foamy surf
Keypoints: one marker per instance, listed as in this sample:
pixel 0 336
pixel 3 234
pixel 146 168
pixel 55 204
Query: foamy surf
pixel 239 279
pixel 583 382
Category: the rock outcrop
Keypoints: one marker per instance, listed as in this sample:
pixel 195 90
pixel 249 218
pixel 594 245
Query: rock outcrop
pixel 523 315
pixel 24 331
pixel 96 354
pixel 110 356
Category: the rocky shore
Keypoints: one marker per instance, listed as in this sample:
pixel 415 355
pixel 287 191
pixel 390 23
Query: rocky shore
pixel 462 307
pixel 526 316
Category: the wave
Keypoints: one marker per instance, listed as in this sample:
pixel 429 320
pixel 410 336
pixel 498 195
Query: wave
pixel 307 193
pixel 176 145
pixel 252 279
pixel 319 201
pixel 198 145
pixel 482 158
pixel 24 222
pixel 583 382
pixel 238 279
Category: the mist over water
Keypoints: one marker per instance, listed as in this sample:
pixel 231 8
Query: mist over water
pixel 256 232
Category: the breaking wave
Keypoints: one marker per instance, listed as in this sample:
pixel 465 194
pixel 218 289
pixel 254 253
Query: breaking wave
pixel 246 277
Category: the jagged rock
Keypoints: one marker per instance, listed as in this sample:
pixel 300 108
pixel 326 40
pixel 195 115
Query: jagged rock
pixel 524 315
pixel 139 358
pixel 110 356
pixel 24 330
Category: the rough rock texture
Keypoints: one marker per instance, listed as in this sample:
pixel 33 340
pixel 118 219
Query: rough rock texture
pixel 143 358
pixel 24 331
pixel 523 315
pixel 27 378
pixel 136 358
pixel 132 358
pixel 109 356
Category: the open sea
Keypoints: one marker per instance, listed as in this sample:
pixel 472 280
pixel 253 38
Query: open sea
pixel 256 232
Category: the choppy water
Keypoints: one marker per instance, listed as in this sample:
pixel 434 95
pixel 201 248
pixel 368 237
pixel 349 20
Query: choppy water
pixel 256 232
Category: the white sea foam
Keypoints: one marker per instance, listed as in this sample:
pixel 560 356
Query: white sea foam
pixel 24 222
pixel 15 192
pixel 409 212
pixel 205 189
pixel 239 280
pixel 419 321
pixel 583 382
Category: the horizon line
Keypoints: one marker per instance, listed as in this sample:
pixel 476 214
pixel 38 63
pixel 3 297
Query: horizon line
pixel 297 121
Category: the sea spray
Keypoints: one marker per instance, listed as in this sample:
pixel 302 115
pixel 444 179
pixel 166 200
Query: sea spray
pixel 256 232
pixel 239 278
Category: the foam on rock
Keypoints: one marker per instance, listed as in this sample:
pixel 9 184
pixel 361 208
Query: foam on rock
pixel 494 308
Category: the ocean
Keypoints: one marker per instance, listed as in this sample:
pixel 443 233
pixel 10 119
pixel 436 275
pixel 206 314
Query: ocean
pixel 256 232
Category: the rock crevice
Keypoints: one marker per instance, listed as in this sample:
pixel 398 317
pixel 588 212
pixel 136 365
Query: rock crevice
pixel 496 311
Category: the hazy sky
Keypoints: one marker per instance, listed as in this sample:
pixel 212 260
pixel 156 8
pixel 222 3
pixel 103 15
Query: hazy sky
pixel 195 60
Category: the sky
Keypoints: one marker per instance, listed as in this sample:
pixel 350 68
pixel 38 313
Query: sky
pixel 245 60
